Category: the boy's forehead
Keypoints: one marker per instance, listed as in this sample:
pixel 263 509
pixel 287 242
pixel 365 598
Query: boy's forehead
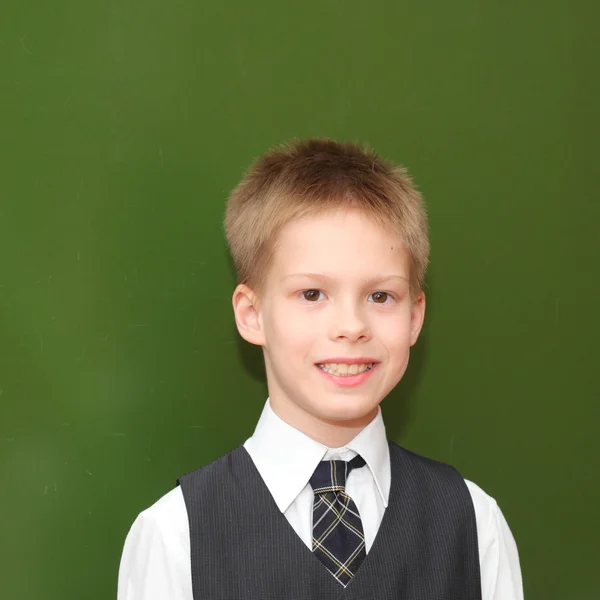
pixel 350 230
pixel 339 250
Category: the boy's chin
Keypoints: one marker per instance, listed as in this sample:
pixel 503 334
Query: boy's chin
pixel 346 411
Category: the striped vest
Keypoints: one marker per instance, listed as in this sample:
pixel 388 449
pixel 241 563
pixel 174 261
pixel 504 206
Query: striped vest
pixel 242 546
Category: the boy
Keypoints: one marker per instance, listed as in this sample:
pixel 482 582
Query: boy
pixel 330 246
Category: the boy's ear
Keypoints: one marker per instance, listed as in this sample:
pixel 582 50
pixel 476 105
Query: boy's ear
pixel 417 317
pixel 247 319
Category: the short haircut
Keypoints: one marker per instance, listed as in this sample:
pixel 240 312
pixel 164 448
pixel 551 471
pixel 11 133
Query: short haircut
pixel 313 176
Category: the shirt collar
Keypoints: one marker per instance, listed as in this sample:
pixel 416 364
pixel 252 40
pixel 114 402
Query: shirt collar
pixel 286 458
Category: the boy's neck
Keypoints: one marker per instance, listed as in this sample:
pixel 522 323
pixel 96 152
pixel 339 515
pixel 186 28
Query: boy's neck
pixel 333 434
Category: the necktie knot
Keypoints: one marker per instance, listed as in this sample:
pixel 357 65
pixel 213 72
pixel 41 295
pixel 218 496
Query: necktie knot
pixel 331 475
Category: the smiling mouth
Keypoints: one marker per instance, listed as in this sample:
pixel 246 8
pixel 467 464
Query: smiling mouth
pixel 345 370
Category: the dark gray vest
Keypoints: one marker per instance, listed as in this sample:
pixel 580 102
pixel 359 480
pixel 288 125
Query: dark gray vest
pixel 242 546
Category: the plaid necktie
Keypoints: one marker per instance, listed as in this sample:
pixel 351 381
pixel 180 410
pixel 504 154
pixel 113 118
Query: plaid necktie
pixel 338 537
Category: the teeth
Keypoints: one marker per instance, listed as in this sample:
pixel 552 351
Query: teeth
pixel 343 370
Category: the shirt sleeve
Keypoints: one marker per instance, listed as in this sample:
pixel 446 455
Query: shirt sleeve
pixel 155 563
pixel 504 561
pixel 498 555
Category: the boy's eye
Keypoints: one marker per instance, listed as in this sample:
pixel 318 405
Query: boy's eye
pixel 380 297
pixel 311 295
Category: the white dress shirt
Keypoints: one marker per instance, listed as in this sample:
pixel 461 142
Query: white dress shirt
pixel 156 563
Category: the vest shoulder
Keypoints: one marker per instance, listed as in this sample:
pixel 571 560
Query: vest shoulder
pixel 402 455
pixel 214 468
pixel 431 479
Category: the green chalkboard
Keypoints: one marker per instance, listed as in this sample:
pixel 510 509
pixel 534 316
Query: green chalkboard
pixel 123 126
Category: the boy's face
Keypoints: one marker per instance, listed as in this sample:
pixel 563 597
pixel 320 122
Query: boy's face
pixel 322 303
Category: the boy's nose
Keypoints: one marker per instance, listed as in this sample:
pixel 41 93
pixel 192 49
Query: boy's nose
pixel 348 322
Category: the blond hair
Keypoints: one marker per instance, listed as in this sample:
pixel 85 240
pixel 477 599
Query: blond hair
pixel 312 176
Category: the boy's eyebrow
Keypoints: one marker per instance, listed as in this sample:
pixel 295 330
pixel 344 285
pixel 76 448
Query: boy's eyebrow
pixel 370 281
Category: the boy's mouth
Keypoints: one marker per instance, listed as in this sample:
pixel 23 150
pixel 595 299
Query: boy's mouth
pixel 345 370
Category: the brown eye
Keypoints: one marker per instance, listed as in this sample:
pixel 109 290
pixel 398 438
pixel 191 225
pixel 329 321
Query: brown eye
pixel 311 295
pixel 380 297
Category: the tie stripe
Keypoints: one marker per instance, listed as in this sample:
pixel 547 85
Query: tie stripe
pixel 338 536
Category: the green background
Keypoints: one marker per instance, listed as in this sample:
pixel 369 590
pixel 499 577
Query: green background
pixel 123 126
